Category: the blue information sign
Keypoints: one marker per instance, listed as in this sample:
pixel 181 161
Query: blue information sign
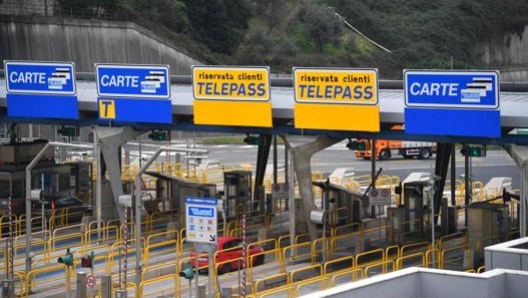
pixel 473 89
pixel 41 90
pixel 457 103
pixel 40 77
pixel 133 81
pixel 202 201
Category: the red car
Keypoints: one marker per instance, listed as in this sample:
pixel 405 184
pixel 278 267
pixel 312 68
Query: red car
pixel 226 254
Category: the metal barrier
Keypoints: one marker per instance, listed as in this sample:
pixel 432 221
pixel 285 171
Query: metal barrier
pixel 108 233
pixel 347 242
pixel 400 264
pixel 429 262
pixel 158 290
pixel 65 241
pixel 274 281
pixel 285 291
pixel 59 278
pixel 456 239
pixel 383 266
pixel 321 247
pixel 463 250
pixel 162 267
pixel 348 228
pixel 414 247
pixel 307 272
pixel 170 246
pixel 269 257
pixel 173 234
pixel 323 282
pixel 368 258
pixel 93 225
pixel 353 273
pixel 392 252
pixel 297 252
pixel 344 261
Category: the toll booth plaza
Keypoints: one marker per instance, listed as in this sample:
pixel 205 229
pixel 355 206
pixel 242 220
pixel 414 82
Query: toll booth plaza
pixel 144 215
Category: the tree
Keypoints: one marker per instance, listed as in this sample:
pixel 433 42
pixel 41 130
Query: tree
pixel 220 24
pixel 320 24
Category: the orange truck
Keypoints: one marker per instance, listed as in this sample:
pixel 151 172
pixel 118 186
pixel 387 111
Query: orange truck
pixel 386 149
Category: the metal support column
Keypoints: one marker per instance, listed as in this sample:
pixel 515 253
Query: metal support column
pixel 443 154
pixel 467 189
pixel 262 160
pixel 110 139
pixel 301 156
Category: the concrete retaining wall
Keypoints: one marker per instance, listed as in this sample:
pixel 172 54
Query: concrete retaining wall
pixel 508 53
pixel 86 42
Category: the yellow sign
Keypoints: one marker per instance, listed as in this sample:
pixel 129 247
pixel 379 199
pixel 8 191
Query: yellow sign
pixel 107 109
pixel 337 117
pixel 231 83
pixel 232 113
pixel 340 85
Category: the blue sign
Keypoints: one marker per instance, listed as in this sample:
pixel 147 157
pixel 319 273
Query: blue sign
pixel 201 211
pixel 127 110
pixel 133 81
pixel 452 89
pixel 452 103
pixel 201 201
pixel 40 77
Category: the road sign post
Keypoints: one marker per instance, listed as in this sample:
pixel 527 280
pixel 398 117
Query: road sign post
pixel 201 224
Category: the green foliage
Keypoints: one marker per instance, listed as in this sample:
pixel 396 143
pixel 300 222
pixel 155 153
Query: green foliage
pixel 220 24
pixel 320 24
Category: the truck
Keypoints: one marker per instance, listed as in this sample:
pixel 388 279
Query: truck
pixel 386 149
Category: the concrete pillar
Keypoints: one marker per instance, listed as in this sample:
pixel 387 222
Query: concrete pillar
pixel 81 284
pixel 201 291
pixel 8 288
pixel 106 286
pixel 111 138
pixel 120 294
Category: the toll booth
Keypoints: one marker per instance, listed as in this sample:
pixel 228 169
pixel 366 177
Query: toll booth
pixel 416 203
pixel 408 219
pixel 344 206
pixel 171 192
pixel 488 224
pixel 237 193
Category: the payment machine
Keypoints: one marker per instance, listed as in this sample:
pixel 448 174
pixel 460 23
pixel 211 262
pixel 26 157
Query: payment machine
pixel 237 193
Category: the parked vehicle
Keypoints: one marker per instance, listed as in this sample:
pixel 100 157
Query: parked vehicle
pixel 386 149
pixel 75 207
pixel 229 249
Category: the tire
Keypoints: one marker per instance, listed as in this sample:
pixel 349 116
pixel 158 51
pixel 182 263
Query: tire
pixel 384 154
pixel 259 260
pixel 425 153
pixel 226 268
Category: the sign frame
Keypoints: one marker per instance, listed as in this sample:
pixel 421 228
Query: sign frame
pixel 233 68
pixel 160 67
pixel 58 64
pixel 380 197
pixel 452 73
pixel 336 70
pixel 194 223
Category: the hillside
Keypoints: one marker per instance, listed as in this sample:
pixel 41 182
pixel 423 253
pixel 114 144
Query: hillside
pixel 285 33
